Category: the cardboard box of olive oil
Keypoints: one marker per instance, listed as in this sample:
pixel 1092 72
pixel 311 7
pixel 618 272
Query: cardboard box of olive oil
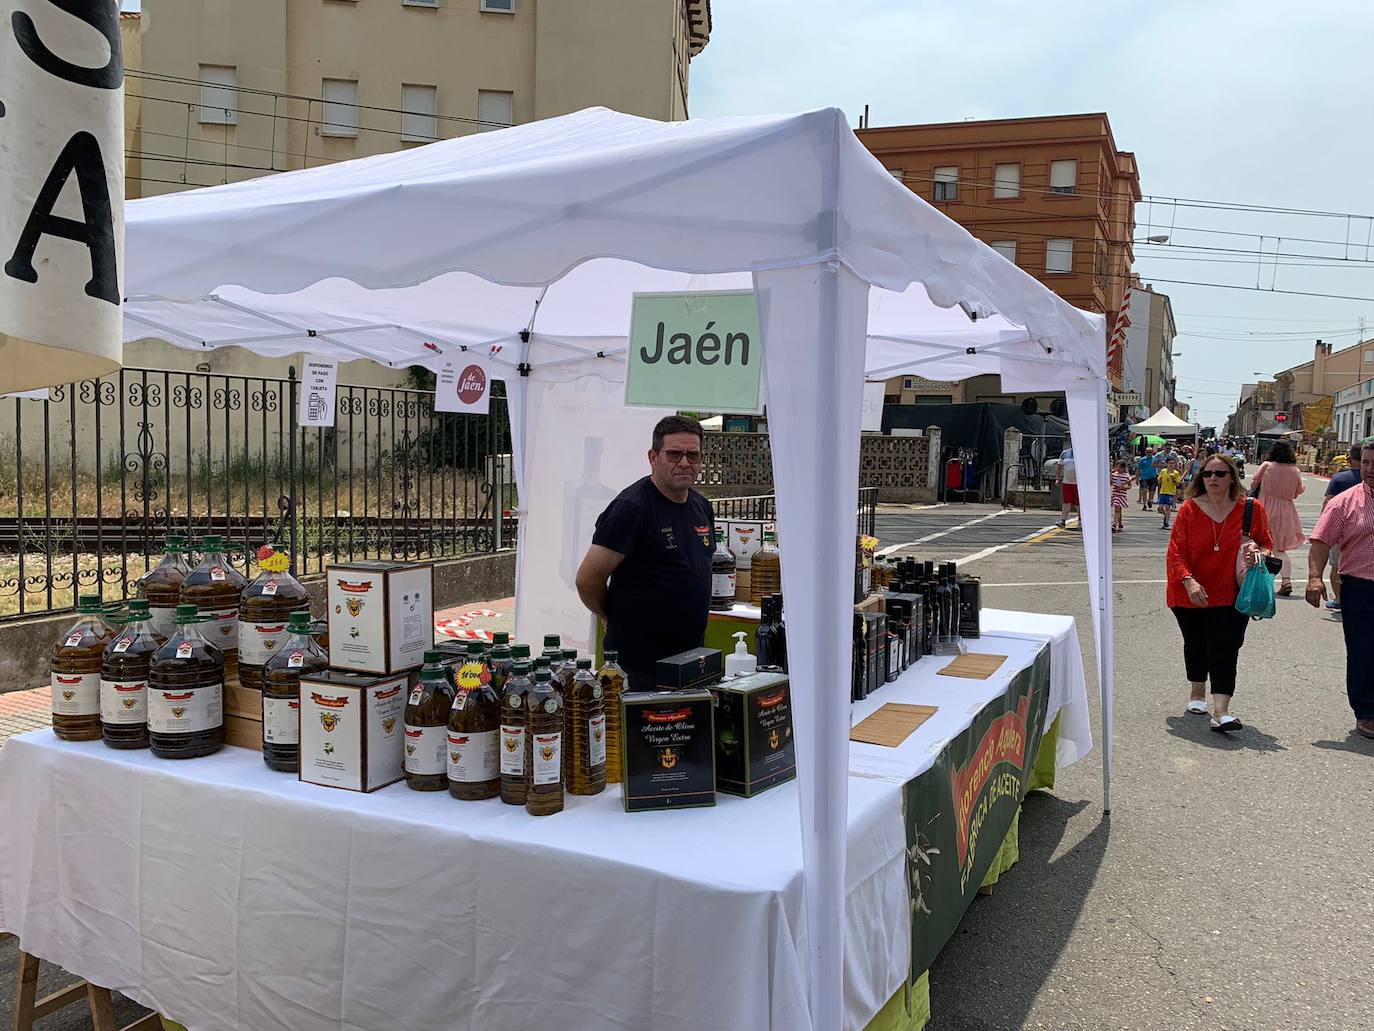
pixel 381 615
pixel 352 730
pixel 694 668
pixel 667 750
pixel 754 747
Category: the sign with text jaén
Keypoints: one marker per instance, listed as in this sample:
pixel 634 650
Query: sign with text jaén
pixel 695 351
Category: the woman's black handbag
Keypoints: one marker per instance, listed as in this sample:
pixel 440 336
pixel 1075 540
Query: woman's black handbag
pixel 1274 565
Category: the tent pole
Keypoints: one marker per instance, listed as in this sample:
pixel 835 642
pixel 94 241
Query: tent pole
pixel 1104 603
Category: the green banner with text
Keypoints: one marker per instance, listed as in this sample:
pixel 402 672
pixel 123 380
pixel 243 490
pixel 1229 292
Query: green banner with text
pixel 695 351
pixel 958 812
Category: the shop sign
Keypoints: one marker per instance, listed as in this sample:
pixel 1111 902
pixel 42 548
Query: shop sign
pixel 695 351
pixel 959 811
pixel 463 384
pixel 1127 398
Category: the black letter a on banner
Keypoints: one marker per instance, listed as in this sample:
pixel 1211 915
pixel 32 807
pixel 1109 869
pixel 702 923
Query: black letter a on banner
pixel 82 155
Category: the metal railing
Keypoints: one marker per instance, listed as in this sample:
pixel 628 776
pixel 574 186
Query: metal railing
pixel 104 469
pixel 764 508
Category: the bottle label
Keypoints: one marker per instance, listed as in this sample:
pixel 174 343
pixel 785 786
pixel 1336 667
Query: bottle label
pixel 281 723
pixel 122 645
pixel 184 650
pixel 548 758
pixel 472 757
pixel 596 742
pixel 163 620
pixel 222 629
pixel 76 694
pixel 123 701
pixel 270 588
pixel 416 695
pixel 512 750
pixel 258 642
pixel 74 639
pixel 296 660
pixel 425 749
pixel 722 585
pixel 217 574
pixel 186 711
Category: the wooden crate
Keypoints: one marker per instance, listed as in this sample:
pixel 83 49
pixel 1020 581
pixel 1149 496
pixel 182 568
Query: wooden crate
pixel 241 732
pixel 242 715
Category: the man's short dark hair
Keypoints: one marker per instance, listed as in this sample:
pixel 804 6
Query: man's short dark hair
pixel 675 424
pixel 1355 451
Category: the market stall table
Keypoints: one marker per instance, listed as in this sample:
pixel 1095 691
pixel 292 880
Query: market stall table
pixel 225 895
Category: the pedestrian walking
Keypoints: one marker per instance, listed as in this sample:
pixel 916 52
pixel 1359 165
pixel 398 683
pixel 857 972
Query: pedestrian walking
pixel 1149 479
pixel 1121 484
pixel 1347 522
pixel 1066 475
pixel 1206 552
pixel 1278 482
pixel 1169 481
pixel 1339 484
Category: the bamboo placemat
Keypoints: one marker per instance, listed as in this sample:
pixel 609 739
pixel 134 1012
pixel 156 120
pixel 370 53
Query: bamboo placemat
pixel 974 666
pixel 892 724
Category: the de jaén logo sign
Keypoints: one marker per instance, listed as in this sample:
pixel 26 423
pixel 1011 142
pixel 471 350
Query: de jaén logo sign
pixel 695 352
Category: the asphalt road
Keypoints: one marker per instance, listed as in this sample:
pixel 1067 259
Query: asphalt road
pixel 1231 886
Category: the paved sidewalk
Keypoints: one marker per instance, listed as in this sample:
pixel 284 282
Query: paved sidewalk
pixel 22 711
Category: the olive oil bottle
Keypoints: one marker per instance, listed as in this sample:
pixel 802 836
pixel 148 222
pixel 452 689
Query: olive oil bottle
pixel 553 648
pixel 513 721
pixel 543 747
pixel 612 679
pixel 264 609
pixel 722 576
pixel 298 656
pixel 426 726
pixel 765 571
pixel 585 744
pixel 75 672
pixel 474 731
pixel 216 588
pixel 566 671
pixel 161 585
pixel 499 661
pixel 186 692
pixel 124 670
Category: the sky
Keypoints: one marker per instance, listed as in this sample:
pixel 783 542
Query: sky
pixel 1256 103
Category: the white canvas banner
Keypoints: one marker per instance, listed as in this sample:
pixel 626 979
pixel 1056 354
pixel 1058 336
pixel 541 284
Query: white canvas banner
pixel 62 201
pixel 319 387
pixel 463 385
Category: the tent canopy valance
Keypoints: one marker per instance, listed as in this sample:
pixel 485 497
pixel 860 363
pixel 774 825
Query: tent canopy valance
pixel 524 246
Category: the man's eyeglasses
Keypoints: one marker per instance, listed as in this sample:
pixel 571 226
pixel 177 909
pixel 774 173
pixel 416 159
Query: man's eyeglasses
pixel 1209 473
pixel 674 456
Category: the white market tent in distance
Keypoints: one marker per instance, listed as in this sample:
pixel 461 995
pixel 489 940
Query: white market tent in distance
pixel 1165 423
pixel 466 236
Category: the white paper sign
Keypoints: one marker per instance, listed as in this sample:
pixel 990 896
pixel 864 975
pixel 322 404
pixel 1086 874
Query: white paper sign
pixel 61 191
pixel 41 394
pixel 464 385
pixel 319 383
pixel 873 407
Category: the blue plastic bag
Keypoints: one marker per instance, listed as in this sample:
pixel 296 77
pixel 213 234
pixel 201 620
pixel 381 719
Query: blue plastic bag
pixel 1256 597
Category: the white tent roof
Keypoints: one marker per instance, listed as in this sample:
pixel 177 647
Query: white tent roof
pixel 1163 423
pixel 523 245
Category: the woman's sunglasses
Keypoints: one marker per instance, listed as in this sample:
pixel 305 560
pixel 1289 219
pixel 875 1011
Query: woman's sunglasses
pixel 1209 473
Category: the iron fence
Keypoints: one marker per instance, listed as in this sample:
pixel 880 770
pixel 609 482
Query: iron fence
pixel 105 469
pixel 764 508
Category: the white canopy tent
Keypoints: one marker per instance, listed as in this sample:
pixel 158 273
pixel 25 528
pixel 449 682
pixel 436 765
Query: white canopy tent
pixel 488 243
pixel 1165 423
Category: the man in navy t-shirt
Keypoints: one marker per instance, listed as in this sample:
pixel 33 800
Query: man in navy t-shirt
pixel 1339 484
pixel 647 573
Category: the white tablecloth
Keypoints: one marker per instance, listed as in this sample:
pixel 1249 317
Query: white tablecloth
pixel 228 896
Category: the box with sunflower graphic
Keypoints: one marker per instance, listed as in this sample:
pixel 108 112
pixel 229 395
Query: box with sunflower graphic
pixel 754 746
pixel 352 732
pixel 667 751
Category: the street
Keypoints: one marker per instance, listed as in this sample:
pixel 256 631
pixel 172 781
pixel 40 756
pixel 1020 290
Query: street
pixel 1230 887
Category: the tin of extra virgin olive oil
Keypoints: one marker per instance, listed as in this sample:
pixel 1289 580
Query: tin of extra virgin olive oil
pixel 667 750
pixel 754 746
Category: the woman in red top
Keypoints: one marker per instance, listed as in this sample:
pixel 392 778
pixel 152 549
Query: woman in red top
pixel 1202 585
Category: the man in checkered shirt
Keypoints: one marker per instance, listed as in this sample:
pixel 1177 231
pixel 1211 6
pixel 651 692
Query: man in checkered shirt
pixel 1347 522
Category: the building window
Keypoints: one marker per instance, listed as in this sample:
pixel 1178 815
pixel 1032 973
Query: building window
pixel 1006 181
pixel 419 110
pixel 219 94
pixel 1059 255
pixel 499 6
pixel 897 173
pixel 1006 248
pixel 420 3
pixel 947 183
pixel 908 383
pixel 1369 357
pixel 1063 177
pixel 340 107
pixel 495 109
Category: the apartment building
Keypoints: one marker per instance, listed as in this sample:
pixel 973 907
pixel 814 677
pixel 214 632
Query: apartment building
pixel 231 89
pixel 1148 368
pixel 1052 194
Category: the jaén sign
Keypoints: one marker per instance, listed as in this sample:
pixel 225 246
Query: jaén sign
pixel 463 385
pixel 695 351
